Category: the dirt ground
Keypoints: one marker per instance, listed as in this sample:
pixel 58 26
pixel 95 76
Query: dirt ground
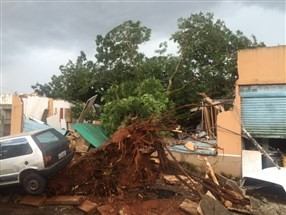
pixel 157 199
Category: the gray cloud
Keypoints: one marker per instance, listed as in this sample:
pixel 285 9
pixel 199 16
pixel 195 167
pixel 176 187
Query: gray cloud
pixel 58 22
pixel 278 5
pixel 58 30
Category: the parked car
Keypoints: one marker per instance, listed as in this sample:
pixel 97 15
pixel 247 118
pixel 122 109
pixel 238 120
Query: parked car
pixel 31 158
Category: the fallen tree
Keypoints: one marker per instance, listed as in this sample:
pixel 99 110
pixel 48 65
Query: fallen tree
pixel 122 162
pixel 126 161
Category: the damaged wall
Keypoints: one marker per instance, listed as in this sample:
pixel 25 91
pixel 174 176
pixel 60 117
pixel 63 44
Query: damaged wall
pixel 34 106
pixel 56 113
pixel 60 115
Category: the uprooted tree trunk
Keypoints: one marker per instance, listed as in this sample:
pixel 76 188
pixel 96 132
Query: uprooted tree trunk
pixel 122 162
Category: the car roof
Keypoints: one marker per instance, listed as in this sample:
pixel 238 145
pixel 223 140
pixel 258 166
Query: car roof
pixel 24 134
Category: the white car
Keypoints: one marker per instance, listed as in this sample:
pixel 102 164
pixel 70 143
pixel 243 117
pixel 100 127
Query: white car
pixel 31 158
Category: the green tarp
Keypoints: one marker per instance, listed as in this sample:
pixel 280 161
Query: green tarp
pixel 94 134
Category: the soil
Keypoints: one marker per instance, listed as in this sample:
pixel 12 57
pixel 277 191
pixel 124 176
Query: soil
pixel 159 198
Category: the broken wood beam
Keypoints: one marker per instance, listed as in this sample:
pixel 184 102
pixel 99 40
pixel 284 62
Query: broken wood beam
pixel 195 189
pixel 211 171
pixel 214 103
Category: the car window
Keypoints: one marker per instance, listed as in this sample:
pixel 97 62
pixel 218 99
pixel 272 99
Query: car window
pixel 47 139
pixel 14 148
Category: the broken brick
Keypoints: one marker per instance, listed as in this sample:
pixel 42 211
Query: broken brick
pixel 65 200
pixel 189 206
pixel 106 210
pixel 36 201
pixel 88 206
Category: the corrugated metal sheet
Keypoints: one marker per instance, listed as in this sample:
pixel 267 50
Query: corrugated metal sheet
pixel 201 148
pixel 264 110
pixel 31 125
pixel 94 134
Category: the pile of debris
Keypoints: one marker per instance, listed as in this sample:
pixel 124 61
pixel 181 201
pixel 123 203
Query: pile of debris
pixel 124 161
pixel 135 157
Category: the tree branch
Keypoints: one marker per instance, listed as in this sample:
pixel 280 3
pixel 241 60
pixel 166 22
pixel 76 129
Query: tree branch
pixel 132 50
pixel 171 79
pixel 169 92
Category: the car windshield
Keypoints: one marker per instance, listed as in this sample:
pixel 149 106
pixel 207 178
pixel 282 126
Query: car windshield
pixel 48 139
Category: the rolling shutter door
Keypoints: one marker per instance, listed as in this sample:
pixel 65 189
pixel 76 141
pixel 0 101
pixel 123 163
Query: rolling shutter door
pixel 263 110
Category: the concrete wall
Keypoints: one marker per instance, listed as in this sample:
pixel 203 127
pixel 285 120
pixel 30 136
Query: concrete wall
pixel 59 116
pixel 223 164
pixel 6 99
pixel 262 66
pixel 17 115
pixel 5 114
pixel 50 111
pixel 229 140
pixel 34 106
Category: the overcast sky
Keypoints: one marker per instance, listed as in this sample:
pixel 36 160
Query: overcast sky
pixel 39 36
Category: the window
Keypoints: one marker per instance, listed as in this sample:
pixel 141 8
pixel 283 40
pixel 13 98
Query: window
pixel 14 148
pixel 47 137
pixel 47 140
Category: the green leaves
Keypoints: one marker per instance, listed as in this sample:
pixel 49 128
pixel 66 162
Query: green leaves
pixel 208 56
pixel 146 99
pixel 118 52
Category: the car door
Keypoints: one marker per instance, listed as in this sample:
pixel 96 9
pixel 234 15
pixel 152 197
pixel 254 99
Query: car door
pixel 14 157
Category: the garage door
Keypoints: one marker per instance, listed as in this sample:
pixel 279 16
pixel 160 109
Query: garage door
pixel 263 110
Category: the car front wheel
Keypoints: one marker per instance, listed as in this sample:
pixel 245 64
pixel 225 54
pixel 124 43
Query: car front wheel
pixel 34 184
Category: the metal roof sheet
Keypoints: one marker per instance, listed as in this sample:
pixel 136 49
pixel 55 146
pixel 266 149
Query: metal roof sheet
pixel 31 125
pixel 94 134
